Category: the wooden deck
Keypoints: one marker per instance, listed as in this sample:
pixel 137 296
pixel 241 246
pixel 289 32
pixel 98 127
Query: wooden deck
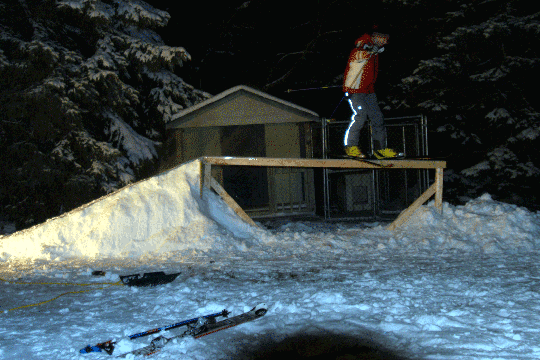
pixel 323 163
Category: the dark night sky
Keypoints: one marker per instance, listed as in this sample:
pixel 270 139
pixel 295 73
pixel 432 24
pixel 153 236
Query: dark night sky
pixel 247 46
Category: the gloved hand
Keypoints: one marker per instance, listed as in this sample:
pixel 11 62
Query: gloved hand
pixel 374 49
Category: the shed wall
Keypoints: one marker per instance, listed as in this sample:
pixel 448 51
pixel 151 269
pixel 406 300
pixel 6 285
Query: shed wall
pixel 248 124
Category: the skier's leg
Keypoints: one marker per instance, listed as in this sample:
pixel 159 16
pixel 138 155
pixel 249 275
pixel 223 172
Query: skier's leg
pixel 358 118
pixel 377 121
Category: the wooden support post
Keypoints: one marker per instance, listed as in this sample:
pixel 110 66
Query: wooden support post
pixel 439 193
pixel 207 180
pixel 201 177
pixel 405 214
pixel 435 189
pixel 205 175
pixel 230 201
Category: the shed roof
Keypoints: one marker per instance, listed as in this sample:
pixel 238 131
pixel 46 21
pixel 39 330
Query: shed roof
pixel 194 115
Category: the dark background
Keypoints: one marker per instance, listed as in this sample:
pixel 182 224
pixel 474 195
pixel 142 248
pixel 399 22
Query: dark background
pixel 453 61
pixel 467 65
pixel 279 45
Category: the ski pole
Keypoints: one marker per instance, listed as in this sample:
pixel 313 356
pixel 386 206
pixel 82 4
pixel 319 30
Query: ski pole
pixel 315 88
pixel 333 112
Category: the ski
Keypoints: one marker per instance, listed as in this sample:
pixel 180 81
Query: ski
pixel 403 156
pixel 364 160
pixel 108 346
pixel 200 329
pixel 148 279
pixel 373 160
pixel 420 157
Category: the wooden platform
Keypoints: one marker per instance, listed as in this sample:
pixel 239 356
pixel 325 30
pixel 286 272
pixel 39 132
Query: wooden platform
pixel 435 189
pixel 323 163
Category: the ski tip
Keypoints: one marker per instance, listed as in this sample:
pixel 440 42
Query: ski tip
pixel 261 306
pixel 260 309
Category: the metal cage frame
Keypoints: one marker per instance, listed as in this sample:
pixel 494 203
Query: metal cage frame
pixel 380 187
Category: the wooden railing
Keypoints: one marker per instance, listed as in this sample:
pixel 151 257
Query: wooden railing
pixel 435 189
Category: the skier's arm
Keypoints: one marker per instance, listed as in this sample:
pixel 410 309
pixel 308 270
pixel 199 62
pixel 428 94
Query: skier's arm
pixel 360 56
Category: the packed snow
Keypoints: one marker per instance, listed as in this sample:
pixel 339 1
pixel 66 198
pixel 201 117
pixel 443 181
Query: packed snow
pixel 458 285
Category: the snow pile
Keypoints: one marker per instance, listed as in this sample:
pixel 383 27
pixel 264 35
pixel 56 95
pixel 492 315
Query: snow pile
pixel 427 290
pixel 482 225
pixel 160 215
pixel 165 217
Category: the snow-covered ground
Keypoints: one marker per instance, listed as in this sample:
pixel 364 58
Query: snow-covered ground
pixel 461 285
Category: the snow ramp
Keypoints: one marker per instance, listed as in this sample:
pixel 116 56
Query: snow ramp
pixel 160 215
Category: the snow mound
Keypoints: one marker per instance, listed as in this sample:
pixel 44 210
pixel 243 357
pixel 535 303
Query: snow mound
pixel 482 225
pixel 160 215
pixel 164 217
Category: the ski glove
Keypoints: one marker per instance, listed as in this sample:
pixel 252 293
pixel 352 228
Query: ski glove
pixel 374 49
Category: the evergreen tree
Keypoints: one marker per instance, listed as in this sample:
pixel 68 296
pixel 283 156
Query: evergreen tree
pixel 478 95
pixel 86 88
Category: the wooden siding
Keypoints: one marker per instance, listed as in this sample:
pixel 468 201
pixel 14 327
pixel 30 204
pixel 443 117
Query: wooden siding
pixel 242 109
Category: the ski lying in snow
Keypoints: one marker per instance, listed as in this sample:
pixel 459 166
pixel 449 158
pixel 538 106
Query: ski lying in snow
pixel 108 346
pixel 148 279
pixel 202 328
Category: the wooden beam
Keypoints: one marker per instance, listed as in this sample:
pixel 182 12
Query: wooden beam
pixel 406 214
pixel 324 163
pixel 439 193
pixel 202 165
pixel 205 175
pixel 230 201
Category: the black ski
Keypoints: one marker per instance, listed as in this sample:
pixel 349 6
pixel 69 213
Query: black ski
pixel 364 160
pixel 373 160
pixel 148 279
pixel 108 346
pixel 420 157
pixel 200 329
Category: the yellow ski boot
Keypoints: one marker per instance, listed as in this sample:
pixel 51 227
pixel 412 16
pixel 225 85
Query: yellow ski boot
pixel 354 151
pixel 386 154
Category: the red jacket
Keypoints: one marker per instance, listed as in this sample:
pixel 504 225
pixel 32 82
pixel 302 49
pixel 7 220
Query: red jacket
pixel 362 68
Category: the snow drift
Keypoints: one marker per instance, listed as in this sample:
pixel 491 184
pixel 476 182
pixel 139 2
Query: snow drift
pixel 165 217
pixel 159 215
pixel 482 225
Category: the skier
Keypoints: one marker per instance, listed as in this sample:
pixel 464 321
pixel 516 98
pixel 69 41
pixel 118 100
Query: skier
pixel 358 85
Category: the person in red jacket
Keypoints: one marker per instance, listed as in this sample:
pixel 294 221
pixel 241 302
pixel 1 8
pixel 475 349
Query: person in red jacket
pixel 359 87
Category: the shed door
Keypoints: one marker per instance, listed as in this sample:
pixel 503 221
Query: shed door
pixel 248 185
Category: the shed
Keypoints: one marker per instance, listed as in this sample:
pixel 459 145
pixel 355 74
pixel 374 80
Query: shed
pixel 243 121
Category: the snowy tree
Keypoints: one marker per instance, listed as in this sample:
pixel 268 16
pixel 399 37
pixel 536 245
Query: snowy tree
pixel 477 93
pixel 87 87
